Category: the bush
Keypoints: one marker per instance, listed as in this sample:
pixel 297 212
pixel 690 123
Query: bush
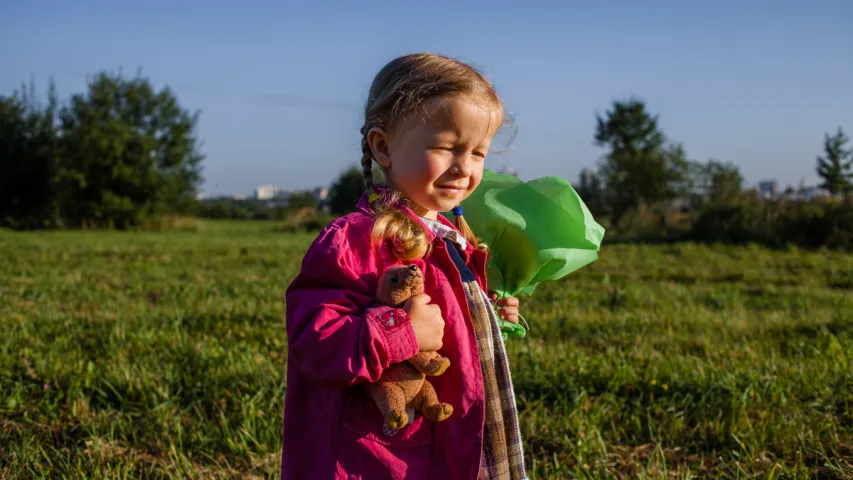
pixel 230 209
pixel 346 191
pixel 305 220
pixel 737 224
pixel 778 223
pixel 821 224
pixel 163 223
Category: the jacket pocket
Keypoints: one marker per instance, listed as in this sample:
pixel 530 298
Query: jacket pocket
pixel 363 417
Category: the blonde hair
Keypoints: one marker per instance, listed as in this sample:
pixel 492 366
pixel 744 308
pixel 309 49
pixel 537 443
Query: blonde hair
pixel 399 91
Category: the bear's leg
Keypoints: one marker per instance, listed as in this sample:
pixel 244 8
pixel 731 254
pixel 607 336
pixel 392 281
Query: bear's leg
pixel 391 400
pixel 430 363
pixel 426 402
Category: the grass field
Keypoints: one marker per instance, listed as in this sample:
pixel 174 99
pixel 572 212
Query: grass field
pixel 161 355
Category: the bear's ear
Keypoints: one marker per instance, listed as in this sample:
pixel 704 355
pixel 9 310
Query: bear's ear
pixel 382 289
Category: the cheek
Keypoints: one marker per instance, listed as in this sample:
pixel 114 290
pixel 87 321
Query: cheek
pixel 476 177
pixel 415 168
pixel 434 166
pixel 398 297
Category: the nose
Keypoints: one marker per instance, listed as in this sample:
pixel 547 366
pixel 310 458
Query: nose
pixel 462 166
pixel 413 268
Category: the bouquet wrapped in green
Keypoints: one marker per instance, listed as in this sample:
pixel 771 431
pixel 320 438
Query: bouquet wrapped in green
pixel 536 231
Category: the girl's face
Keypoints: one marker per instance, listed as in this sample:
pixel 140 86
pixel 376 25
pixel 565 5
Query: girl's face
pixel 438 161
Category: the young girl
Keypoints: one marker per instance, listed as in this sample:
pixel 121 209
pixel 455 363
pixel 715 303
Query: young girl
pixel 429 122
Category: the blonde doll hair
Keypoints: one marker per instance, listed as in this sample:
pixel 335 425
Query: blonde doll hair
pixel 397 93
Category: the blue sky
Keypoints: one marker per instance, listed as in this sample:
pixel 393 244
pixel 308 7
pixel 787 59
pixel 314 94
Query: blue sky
pixel 280 87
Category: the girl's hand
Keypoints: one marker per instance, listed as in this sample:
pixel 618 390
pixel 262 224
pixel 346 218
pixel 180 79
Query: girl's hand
pixel 427 322
pixel 507 307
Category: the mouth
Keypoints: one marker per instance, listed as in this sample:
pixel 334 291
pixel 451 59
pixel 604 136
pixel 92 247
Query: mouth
pixel 411 281
pixel 451 188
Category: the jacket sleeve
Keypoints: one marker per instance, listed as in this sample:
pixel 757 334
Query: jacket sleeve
pixel 336 334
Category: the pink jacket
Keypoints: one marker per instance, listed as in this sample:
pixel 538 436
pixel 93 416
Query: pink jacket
pixel 339 340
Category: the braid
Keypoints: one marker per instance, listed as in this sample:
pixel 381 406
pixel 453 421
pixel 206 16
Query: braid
pixel 469 235
pixel 409 241
pixel 366 160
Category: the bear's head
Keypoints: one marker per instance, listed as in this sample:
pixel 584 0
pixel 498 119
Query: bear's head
pixel 399 284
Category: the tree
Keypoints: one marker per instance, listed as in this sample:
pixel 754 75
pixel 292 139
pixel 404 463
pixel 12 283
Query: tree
pixel 132 152
pixel 679 179
pixel 719 182
pixel 110 157
pixel 29 162
pixel 836 167
pixel 302 200
pixel 640 167
pixel 591 190
pixel 346 191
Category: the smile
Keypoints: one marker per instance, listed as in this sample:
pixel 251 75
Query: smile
pixel 452 188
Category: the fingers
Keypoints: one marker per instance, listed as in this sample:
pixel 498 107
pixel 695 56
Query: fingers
pixel 507 308
pixel 505 302
pixel 421 299
pixel 510 314
pixel 508 302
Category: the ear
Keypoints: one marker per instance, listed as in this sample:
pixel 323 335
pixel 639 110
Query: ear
pixel 378 141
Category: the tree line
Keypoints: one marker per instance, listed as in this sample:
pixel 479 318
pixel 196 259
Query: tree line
pixel 646 186
pixel 123 152
pixel 642 167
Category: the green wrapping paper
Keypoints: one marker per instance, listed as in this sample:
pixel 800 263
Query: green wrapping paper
pixel 536 231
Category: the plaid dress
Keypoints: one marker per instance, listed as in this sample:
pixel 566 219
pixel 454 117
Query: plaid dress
pixel 502 457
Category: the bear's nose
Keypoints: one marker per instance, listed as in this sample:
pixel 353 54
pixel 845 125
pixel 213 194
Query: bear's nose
pixel 413 268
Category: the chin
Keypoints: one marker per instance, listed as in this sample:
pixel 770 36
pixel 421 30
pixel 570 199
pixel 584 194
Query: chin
pixel 444 205
pixel 439 209
pixel 448 198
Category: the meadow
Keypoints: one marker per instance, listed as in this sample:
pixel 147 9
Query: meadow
pixel 162 355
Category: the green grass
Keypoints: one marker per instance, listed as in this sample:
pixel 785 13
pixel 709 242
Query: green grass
pixel 161 355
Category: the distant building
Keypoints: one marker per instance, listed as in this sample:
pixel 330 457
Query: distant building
pixel 768 188
pixel 810 193
pixel 265 192
pixel 321 194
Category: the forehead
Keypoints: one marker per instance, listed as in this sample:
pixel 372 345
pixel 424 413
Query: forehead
pixel 461 116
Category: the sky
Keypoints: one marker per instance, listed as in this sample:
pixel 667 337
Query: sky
pixel 281 85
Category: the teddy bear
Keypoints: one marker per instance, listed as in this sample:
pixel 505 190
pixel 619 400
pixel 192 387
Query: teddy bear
pixel 403 386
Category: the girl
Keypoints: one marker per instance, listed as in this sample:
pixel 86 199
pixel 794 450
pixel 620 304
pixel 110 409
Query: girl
pixel 429 122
